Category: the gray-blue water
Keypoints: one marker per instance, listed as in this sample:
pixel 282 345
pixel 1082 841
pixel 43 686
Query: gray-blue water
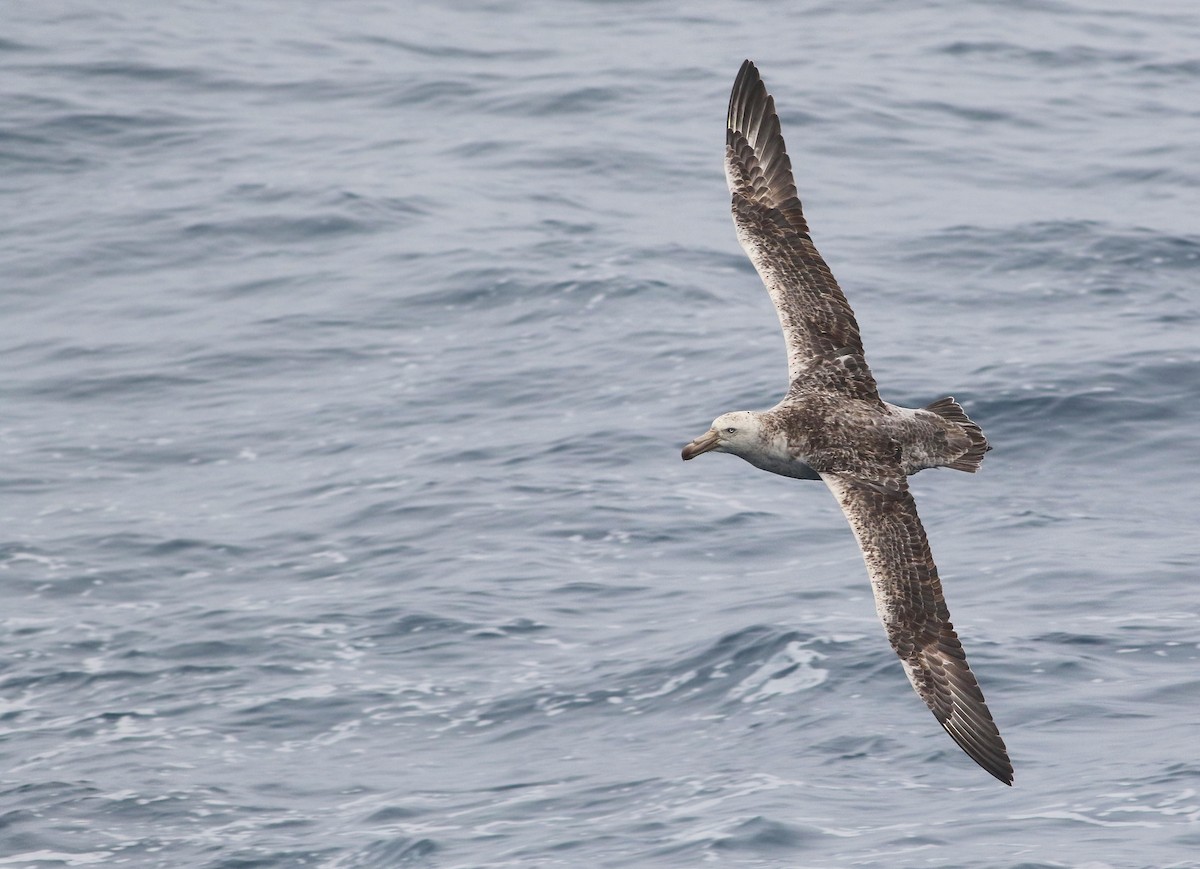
pixel 348 352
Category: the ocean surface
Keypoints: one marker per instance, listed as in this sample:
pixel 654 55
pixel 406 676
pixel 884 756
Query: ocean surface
pixel 348 350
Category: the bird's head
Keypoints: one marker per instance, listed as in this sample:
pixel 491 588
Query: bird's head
pixel 737 432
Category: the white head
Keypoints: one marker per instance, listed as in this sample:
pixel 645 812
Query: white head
pixel 739 433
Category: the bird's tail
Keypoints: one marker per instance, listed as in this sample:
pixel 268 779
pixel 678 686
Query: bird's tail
pixel 951 411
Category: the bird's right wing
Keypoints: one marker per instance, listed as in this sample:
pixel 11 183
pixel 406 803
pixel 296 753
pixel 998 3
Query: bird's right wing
pixel 823 343
pixel 908 598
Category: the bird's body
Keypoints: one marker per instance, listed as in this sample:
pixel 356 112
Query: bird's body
pixel 833 426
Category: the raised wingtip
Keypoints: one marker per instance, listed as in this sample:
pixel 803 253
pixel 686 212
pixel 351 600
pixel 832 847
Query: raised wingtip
pixel 747 77
pixel 756 161
pixel 742 93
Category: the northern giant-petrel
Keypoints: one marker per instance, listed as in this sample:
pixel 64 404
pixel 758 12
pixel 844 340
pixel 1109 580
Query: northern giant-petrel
pixel 833 426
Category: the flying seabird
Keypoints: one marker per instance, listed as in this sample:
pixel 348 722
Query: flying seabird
pixel 833 426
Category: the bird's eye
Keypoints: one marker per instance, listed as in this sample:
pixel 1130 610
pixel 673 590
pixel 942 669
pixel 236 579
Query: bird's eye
pixel 730 431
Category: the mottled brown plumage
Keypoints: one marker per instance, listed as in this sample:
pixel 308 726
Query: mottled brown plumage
pixel 832 425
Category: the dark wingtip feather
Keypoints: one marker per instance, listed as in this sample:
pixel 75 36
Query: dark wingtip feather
pixel 747 78
pixel 762 171
pixel 992 758
pixel 960 706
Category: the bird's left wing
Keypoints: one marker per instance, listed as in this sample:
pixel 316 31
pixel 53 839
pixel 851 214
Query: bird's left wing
pixel 908 598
